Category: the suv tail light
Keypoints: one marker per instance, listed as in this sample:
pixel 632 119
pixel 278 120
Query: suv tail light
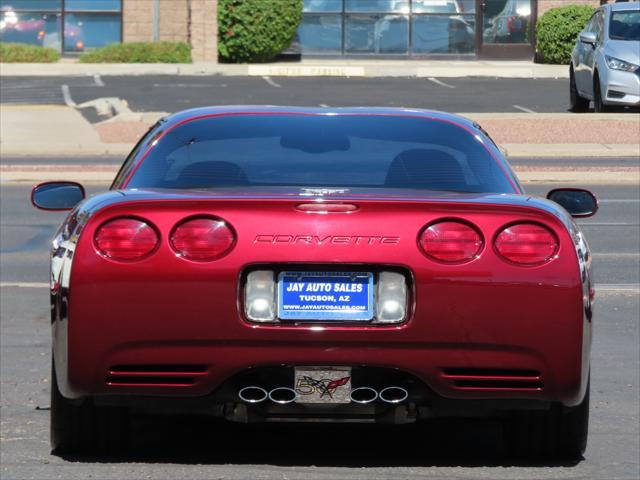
pixel 451 242
pixel 126 239
pixel 202 239
pixel 527 244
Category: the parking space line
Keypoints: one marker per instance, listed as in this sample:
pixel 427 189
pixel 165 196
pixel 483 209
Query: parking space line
pixel 323 105
pixel 618 287
pixel 440 82
pixel 620 200
pixel 527 110
pixel 98 81
pixel 24 284
pixel 66 94
pixel 270 81
pixel 616 255
pixel 609 224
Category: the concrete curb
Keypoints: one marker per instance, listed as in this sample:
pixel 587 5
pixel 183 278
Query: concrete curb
pixel 104 174
pixel 304 68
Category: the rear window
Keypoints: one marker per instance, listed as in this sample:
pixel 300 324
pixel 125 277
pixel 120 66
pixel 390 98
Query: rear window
pixel 320 151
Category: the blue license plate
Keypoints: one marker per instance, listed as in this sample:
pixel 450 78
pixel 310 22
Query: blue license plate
pixel 325 296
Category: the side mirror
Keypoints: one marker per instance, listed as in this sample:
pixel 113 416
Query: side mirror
pixel 578 202
pixel 57 195
pixel 588 37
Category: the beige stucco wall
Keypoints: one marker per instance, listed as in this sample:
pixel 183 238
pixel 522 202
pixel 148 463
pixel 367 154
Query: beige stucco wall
pixel 193 21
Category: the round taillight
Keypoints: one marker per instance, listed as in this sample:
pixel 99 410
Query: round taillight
pixel 126 239
pixel 451 242
pixel 202 239
pixel 527 244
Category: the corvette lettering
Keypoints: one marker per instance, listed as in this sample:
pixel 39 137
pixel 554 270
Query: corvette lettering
pixel 326 240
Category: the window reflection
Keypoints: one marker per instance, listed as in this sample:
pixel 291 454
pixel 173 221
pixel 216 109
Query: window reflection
pixel 32 28
pixel 399 6
pixel 385 34
pixel 85 31
pixel 321 34
pixel 322 6
pixel 506 21
pixel 443 34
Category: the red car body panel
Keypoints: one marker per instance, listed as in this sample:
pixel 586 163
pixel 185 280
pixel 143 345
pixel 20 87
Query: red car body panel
pixel 484 329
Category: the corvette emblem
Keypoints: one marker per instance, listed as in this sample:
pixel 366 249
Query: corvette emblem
pixel 323 191
pixel 308 385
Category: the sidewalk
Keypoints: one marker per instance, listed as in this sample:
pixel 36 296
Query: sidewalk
pixel 304 68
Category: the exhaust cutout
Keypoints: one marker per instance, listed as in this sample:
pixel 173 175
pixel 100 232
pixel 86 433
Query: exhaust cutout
pixel 364 395
pixel 393 395
pixel 283 395
pixel 253 394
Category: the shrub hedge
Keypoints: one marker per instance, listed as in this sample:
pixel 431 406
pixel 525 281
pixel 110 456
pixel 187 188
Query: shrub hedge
pixel 557 31
pixel 21 53
pixel 256 30
pixel 142 52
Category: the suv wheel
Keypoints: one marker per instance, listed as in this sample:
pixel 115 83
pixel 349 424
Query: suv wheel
pixel 598 104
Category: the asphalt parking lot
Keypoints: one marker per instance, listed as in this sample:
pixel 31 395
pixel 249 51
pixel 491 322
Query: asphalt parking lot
pixel 168 447
pixel 170 94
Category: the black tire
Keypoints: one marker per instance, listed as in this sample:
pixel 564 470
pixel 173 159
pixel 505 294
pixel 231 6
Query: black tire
pixel 576 102
pixel 558 433
pixel 83 428
pixel 598 105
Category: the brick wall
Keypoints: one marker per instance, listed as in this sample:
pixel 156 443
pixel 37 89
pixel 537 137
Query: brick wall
pixel 193 21
pixel 544 5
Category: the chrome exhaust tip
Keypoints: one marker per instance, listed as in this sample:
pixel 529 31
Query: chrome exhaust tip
pixel 364 395
pixel 253 394
pixel 393 395
pixel 283 395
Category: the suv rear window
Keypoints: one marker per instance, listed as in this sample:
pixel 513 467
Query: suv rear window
pixel 320 151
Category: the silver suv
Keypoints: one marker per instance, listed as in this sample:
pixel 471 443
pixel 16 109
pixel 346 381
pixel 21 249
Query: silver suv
pixel 605 63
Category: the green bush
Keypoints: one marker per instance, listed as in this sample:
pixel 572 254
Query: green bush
pixel 557 31
pixel 143 52
pixel 22 53
pixel 256 30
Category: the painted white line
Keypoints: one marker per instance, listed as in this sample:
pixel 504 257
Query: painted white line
pixel 323 105
pixel 270 81
pixel 24 284
pixel 440 82
pixel 621 200
pixel 617 255
pixel 98 81
pixel 527 110
pixel 618 287
pixel 67 96
pixel 608 224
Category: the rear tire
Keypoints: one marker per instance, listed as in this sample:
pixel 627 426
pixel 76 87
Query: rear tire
pixel 598 104
pixel 576 102
pixel 558 433
pixel 83 428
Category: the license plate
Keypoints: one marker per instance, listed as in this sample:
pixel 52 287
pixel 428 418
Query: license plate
pixel 325 296
pixel 323 384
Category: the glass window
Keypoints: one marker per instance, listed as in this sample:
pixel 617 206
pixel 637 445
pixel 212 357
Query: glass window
pixel 400 6
pixel 89 30
pixel 104 5
pixel 322 6
pixel 33 28
pixel 435 6
pixel 381 34
pixel 625 25
pixel 443 34
pixel 321 151
pixel 321 34
pixel 506 21
pixel 30 5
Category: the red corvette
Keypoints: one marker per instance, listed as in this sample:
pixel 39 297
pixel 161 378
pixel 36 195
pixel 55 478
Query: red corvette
pixel 288 264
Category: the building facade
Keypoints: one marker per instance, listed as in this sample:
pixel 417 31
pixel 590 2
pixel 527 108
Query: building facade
pixel 329 28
